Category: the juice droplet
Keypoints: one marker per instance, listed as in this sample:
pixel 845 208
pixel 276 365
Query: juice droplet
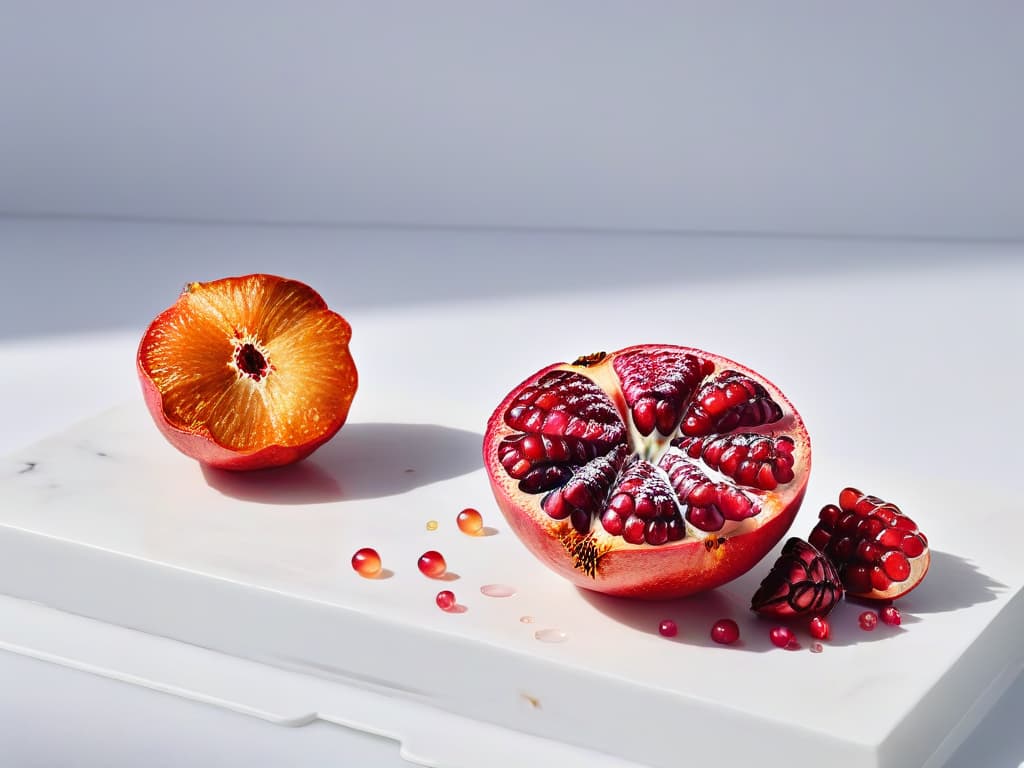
pixel 817 648
pixel 366 562
pixel 497 590
pixel 551 635
pixel 470 522
pixel 432 564
pixel 526 619
pixel 446 600
pixel 431 525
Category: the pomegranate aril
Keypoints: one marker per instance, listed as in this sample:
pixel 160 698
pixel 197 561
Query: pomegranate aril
pixel 470 521
pixel 867 620
pixel 725 631
pixel 656 532
pixel 890 615
pixel 432 564
pixel 879 580
pixel 613 522
pixel 366 562
pixel 912 545
pixel 848 499
pixel 857 579
pixel 819 628
pixel 895 565
pixel 634 530
pixel 782 637
pixel 668 628
pixel 445 600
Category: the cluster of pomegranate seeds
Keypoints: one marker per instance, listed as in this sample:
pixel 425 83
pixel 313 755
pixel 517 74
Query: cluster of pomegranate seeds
pixel 432 564
pixel 759 461
pixel 642 507
pixel 730 401
pixel 782 637
pixel 890 615
pixel 705 503
pixel 725 631
pixel 445 600
pixel 366 562
pixel 868 620
pixel 657 386
pixel 872 543
pixel 668 628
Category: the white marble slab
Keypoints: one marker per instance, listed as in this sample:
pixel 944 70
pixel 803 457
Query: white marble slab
pixel 107 521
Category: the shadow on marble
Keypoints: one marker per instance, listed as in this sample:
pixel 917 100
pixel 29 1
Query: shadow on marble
pixel 363 461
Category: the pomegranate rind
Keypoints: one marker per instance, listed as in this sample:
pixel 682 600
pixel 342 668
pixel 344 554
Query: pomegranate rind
pixel 611 565
pixel 198 441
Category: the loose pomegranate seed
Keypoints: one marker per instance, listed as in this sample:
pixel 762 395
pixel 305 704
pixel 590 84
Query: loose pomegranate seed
pixel 668 628
pixel 782 637
pixel 432 564
pixel 890 615
pixel 431 525
pixel 868 620
pixel 445 600
pixel 470 522
pixel 819 628
pixel 366 562
pixel 725 631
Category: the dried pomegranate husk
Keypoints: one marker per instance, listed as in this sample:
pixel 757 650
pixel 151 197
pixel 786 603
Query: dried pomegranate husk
pixel 248 372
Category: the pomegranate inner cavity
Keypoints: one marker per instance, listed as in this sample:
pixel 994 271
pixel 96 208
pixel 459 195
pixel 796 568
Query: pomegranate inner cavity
pixel 251 361
pixel 675 463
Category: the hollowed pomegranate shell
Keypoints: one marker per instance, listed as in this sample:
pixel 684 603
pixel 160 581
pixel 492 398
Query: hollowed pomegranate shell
pixel 247 372
pixel 655 471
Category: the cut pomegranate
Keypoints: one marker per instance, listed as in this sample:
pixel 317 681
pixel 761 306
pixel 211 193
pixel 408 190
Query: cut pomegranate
pixel 879 552
pixel 801 582
pixel 656 471
pixel 248 372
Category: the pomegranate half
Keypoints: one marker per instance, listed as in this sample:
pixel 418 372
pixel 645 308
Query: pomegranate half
pixel 656 471
pixel 248 372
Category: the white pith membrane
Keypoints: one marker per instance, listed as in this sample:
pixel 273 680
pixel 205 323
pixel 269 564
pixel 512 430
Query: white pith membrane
pixel 655 450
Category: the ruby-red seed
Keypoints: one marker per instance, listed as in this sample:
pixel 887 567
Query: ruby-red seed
pixel 725 631
pixel 668 628
pixel 432 564
pixel 782 637
pixel 445 600
pixel 366 562
pixel 890 615
pixel 868 620
pixel 819 628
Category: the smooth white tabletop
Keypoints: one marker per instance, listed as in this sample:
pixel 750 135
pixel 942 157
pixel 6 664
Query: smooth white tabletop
pixel 99 365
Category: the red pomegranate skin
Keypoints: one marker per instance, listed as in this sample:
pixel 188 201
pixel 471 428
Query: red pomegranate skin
pixel 602 562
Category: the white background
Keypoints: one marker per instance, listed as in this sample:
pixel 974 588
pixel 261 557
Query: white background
pixel 802 117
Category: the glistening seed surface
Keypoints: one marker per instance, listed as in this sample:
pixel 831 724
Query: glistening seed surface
pixel 366 562
pixel 432 564
pixel 497 590
pixel 551 635
pixel 470 522
pixel 445 600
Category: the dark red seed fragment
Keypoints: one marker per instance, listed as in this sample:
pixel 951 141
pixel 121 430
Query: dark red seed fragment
pixel 802 581
pixel 657 384
pixel 730 401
